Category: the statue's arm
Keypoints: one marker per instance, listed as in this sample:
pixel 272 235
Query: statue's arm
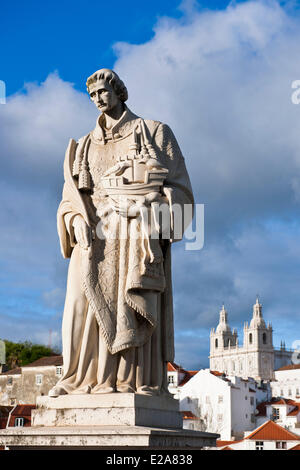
pixel 71 214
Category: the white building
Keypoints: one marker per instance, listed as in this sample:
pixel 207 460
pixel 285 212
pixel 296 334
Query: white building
pixel 24 384
pixel 282 411
pixel 177 377
pixel 257 357
pixel 287 382
pixel 225 404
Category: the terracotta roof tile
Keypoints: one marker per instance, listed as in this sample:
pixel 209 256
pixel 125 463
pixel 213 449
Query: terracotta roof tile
pixel 295 411
pixel 226 448
pixel 290 367
pixel 221 443
pixel 47 361
pixel 297 447
pixel 271 431
pixel 188 415
pixel 23 410
pixel 216 373
pixel 173 367
pixel 187 376
pixel 15 371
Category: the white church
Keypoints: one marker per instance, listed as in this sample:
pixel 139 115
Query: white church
pixel 257 357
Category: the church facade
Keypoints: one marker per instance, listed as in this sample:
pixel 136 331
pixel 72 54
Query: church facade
pixel 257 357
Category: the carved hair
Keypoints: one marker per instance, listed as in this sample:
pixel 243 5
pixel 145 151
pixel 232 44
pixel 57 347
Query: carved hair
pixel 113 79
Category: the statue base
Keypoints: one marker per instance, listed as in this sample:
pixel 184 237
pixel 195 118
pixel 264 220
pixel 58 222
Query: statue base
pixel 104 438
pixel 111 409
pixel 120 421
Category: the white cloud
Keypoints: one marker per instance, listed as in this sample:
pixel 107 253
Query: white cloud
pixel 222 81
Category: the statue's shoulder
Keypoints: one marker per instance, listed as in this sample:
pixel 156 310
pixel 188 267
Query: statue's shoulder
pixel 159 128
pixel 152 125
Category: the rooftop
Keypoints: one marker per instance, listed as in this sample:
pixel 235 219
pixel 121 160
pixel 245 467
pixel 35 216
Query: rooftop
pixel 15 371
pixel 271 431
pixel 47 361
pixel 289 367
pixel 188 415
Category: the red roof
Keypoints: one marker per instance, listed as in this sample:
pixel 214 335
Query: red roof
pixel 22 411
pixel 216 373
pixel 295 411
pixel 290 367
pixel 188 415
pixel 281 401
pixel 297 447
pixel 271 431
pixel 15 371
pixel 221 443
pixel 47 361
pixel 188 375
pixel 226 448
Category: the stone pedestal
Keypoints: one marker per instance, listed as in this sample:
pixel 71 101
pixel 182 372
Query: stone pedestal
pixel 112 409
pixel 109 421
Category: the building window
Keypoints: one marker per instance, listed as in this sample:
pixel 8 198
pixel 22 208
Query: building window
pixel 252 400
pixel 297 391
pixel 220 399
pixel 259 445
pixel 19 421
pixel 246 398
pixel 9 380
pixel 58 371
pixel 39 379
pixel 216 343
pixel 290 392
pixel 250 338
pixel 280 445
pixel 220 418
pixel 171 379
pixel 276 414
pixel 264 338
pixel 281 393
pixel 12 401
pixel 252 418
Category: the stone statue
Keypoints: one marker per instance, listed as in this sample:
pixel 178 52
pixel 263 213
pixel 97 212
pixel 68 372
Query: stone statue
pixel 117 326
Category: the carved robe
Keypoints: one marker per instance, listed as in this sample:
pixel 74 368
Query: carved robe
pixel 118 332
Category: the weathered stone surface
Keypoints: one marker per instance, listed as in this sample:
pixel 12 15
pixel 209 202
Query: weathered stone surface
pixel 105 437
pixel 115 409
pixel 111 400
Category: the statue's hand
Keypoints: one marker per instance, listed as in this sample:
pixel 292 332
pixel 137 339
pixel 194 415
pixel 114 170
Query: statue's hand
pixel 155 197
pixel 82 232
pixel 126 207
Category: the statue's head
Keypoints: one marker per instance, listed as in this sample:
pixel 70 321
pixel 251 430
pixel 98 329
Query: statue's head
pixel 106 89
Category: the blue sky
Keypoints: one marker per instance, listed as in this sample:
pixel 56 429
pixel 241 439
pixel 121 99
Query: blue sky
pixel 220 75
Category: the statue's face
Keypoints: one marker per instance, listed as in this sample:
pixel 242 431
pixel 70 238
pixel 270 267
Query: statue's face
pixel 104 96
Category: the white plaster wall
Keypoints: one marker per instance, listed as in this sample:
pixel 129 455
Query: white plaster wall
pixel 205 389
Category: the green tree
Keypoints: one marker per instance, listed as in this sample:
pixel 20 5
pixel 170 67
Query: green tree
pixel 23 353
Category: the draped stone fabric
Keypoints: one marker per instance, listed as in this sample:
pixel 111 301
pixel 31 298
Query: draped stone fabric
pixel 118 331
